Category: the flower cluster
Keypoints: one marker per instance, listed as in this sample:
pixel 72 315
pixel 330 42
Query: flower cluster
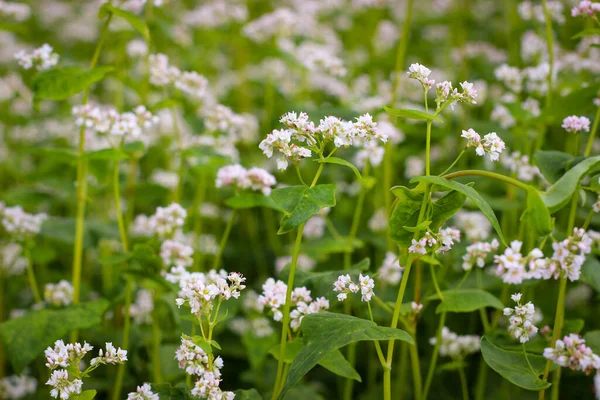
pixel 143 392
pixel 302 136
pixel 303 263
pixel 195 361
pixel 512 266
pixel 162 73
pixel 520 165
pixel 108 121
pixel 474 224
pixel 141 310
pixel 390 271
pixel 176 254
pixel 12 261
pixel 274 297
pixel 477 253
pixel 166 221
pixel 345 285
pixel 200 290
pixel 17 387
pixel 585 8
pixel 21 225
pixel 441 242
pixel 571 352
pixel 60 294
pixel 456 346
pixel 520 323
pixel 42 58
pixel 241 178
pixel 575 124
pixel 62 357
pixel 421 73
pixel 491 144
pixel 17 11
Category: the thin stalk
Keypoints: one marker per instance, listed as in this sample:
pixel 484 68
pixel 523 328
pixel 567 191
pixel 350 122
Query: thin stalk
pixel 550 43
pixel 2 351
pixel 482 312
pixel 156 339
pixel 198 200
pixel 416 369
pixel 590 142
pixel 356 219
pixel 434 357
pixel 428 148
pixel 31 275
pixel 286 314
pixel 377 345
pixel 462 153
pixel 487 174
pixel 528 362
pixel 82 183
pixel 181 170
pixel 463 383
pixel 223 242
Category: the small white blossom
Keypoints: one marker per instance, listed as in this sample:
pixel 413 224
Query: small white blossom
pixel 143 392
pixel 42 58
pixel 60 294
pixel 521 319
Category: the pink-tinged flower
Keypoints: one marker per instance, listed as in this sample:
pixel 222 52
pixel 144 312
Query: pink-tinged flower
pixel 576 124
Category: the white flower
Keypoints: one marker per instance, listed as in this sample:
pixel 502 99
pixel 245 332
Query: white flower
pixel 141 310
pixel 61 385
pixel 521 319
pixel 390 271
pixel 490 144
pixel 420 73
pixel 366 287
pixel 42 58
pixel 60 294
pixel 572 352
pixel 143 392
pixel 455 346
pixel 477 253
pixel 111 356
pixel 167 220
pixel 21 225
pixel 17 386
pixel 575 124
pixel 175 254
pixel 418 247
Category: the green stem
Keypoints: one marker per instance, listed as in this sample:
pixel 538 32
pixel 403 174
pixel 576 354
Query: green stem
pixel 181 171
pixel 156 339
pixel 286 314
pixel 198 200
pixel 356 221
pixel 401 52
pixel 528 362
pixel 223 242
pixel 463 280
pixel 463 383
pixel 31 275
pixel 82 183
pixel 590 142
pixel 487 174
pixel 428 149
pixel 550 42
pixel 454 163
pixel 377 345
pixel 434 357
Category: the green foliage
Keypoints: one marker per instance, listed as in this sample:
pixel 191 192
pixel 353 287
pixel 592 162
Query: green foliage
pixel 537 213
pixel 299 203
pixel 405 213
pixel 341 161
pixel 411 114
pixel 250 394
pixel 590 272
pixel 87 395
pixel 552 164
pixel 27 337
pixel 251 200
pixel 135 21
pixel 325 332
pixel 446 207
pixel 513 366
pixel 587 32
pixel 64 82
pixel 467 300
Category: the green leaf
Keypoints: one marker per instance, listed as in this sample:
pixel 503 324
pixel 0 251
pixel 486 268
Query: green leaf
pixel 135 148
pixel 257 348
pixel 587 32
pixel 446 207
pixel 62 83
pixel 168 392
pixel 513 366
pixel 467 300
pixel 58 154
pixel 28 336
pixel 333 361
pixel 110 154
pixel 559 194
pixel 590 272
pixel 592 339
pixel 573 325
pixel 136 22
pixel 471 193
pixel 251 200
pixel 537 213
pixel 341 161
pixel 87 395
pixel 411 114
pixel 429 260
pixel 405 213
pixel 420 227
pixel 325 332
pixel 249 394
pixel 114 259
pixel 299 203
pixel 200 342
pixel 552 164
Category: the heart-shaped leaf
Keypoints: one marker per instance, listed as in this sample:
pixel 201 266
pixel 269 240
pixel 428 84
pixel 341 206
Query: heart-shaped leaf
pixel 405 213
pixel 135 21
pixel 62 83
pixel 299 203
pixel 251 200
pixel 467 300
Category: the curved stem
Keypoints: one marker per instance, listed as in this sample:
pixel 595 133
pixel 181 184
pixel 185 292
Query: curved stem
pixel 487 174
pixel 528 362
pixel 31 275
pixel 464 279
pixel 223 242
pixel 356 219
pixel 590 142
pixel 286 314
pixel 454 163
pixel 434 356
pixel 463 383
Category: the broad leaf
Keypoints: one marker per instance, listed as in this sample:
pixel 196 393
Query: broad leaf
pixel 405 213
pixel 411 114
pixel 559 194
pixel 251 200
pixel 592 339
pixel 249 394
pixel 28 336
pixel 325 332
pixel 135 21
pixel 446 207
pixel 590 272
pixel 552 164
pixel 168 392
pixel 578 102
pixel 513 366
pixel 419 228
pixel 587 32
pixel 573 325
pixel 333 361
pixel 299 203
pixel 257 348
pixel 109 154
pixel 341 161
pixel 62 83
pixel 467 300
pixel 537 213
pixel 87 395
pixel 471 193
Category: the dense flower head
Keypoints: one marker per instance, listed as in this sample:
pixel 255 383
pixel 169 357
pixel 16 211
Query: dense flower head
pixel 59 294
pixel 199 290
pixel 21 225
pixel 491 144
pixel 167 220
pixel 572 352
pixel 106 120
pixel 143 392
pixel 303 263
pixel 42 58
pixel 477 253
pixel 520 323
pixel 474 224
pixel 585 8
pixel 17 11
pixel 241 178
pixel 421 73
pixel 62 387
pixel 176 254
pixel 575 124
pixel 345 285
pixel 521 166
pixel 510 76
pixel 63 355
pixel 111 355
pixel 456 346
pixel 438 242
